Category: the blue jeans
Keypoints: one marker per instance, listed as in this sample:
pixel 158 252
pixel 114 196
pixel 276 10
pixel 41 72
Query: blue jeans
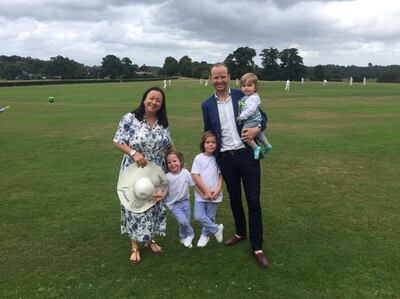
pixel 204 213
pixel 181 212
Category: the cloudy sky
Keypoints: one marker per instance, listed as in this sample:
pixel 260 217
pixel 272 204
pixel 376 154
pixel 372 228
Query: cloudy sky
pixel 325 32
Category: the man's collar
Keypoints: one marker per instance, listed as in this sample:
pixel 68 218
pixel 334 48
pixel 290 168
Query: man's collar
pixel 219 99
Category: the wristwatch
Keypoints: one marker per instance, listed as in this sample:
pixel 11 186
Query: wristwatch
pixel 132 153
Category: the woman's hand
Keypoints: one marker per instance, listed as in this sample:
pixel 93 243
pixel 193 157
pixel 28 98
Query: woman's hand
pixel 140 160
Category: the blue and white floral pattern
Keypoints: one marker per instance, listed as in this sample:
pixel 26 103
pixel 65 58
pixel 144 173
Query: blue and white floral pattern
pixel 152 143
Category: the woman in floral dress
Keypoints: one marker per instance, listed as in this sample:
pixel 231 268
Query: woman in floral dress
pixel 143 135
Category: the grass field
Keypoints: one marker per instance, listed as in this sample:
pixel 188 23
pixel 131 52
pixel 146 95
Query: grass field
pixel 330 197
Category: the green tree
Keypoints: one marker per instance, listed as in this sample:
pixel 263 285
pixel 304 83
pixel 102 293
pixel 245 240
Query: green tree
pixel 389 77
pixel 37 67
pixel 15 67
pixel 269 60
pixel 10 71
pixel 65 68
pixel 201 69
pixel 240 61
pixel 292 66
pixel 185 66
pixel 231 63
pixel 171 66
pixel 319 73
pixel 128 69
pixel 111 66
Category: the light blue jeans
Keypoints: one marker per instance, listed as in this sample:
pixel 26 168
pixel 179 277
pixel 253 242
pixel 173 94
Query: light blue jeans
pixel 181 212
pixel 204 213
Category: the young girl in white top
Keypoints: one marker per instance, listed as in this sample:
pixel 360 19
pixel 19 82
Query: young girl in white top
pixel 208 192
pixel 249 109
pixel 177 200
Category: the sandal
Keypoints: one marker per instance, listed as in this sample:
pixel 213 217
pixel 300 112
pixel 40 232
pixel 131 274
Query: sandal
pixel 153 246
pixel 135 256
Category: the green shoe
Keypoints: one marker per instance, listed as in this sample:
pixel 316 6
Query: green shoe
pixel 267 148
pixel 256 152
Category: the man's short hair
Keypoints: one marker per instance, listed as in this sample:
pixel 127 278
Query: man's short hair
pixel 217 64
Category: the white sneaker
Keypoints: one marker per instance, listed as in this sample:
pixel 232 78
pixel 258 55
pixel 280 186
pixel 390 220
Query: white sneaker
pixel 190 238
pixel 203 240
pixel 187 242
pixel 218 235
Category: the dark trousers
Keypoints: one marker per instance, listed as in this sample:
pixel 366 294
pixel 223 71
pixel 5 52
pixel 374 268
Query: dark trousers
pixel 239 167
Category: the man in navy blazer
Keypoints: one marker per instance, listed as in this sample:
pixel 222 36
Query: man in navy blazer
pixel 236 159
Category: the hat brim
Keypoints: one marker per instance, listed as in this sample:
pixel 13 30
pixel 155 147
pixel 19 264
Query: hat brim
pixel 126 184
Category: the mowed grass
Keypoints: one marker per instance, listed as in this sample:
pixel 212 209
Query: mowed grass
pixel 330 197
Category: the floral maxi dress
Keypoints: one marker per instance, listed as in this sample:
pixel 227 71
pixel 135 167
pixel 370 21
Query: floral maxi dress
pixel 152 143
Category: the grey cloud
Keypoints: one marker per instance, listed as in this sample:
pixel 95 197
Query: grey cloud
pixel 289 3
pixel 224 22
pixel 264 23
pixel 76 10
pixel 204 30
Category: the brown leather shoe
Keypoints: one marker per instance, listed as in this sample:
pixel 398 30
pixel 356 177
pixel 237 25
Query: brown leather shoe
pixel 261 259
pixel 234 240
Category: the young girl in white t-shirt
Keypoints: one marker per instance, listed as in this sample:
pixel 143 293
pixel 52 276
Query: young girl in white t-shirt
pixel 177 199
pixel 208 192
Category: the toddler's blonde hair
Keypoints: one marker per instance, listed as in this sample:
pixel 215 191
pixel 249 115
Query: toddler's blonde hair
pixel 249 78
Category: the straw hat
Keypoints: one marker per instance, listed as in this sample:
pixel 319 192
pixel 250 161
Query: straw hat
pixel 136 186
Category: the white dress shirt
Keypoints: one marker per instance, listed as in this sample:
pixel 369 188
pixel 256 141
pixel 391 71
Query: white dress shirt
pixel 230 137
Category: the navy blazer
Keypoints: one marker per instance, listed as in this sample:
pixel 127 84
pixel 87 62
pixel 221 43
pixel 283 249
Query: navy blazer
pixel 211 117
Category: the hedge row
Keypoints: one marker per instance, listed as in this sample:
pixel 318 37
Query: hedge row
pixel 75 81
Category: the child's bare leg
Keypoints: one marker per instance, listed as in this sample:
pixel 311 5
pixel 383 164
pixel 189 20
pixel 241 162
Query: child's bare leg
pixel 265 142
pixel 252 143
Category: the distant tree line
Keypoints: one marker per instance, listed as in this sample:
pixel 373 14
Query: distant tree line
pixel 330 72
pixel 241 61
pixel 59 67
pixel 16 67
pixel 275 65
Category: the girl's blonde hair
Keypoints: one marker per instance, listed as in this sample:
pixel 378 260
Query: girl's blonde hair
pixel 249 78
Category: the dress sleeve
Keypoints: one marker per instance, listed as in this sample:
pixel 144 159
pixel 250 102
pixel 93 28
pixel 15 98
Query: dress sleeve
pixel 125 130
pixel 169 139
